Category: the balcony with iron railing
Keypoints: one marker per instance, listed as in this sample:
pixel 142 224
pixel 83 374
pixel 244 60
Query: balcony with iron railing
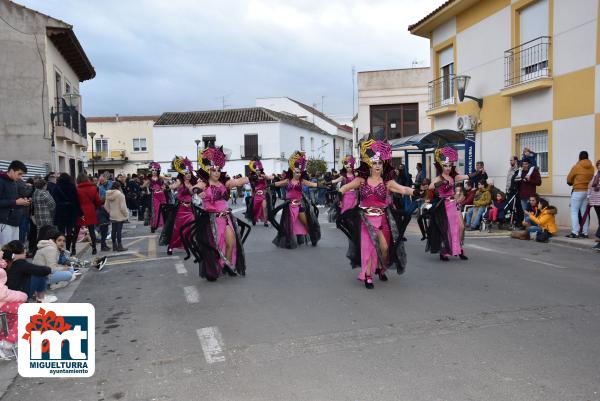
pixel 114 156
pixel 442 97
pixel 528 67
pixel 70 124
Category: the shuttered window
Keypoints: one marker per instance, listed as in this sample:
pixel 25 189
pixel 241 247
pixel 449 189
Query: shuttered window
pixel 537 141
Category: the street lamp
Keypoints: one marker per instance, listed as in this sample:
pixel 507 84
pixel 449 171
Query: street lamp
pixel 461 82
pixel 197 153
pixel 92 135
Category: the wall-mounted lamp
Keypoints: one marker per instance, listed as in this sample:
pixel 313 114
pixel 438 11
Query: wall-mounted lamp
pixel 461 82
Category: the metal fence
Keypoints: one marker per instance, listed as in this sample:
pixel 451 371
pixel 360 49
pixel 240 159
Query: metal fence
pixel 69 117
pixel 32 169
pixel 441 91
pixel 527 62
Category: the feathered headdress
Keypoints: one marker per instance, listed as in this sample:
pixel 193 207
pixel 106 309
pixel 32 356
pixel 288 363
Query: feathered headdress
pixel 154 166
pixel 255 166
pixel 374 150
pixel 297 161
pixel 211 158
pixel 182 165
pixel 446 155
pixel 349 160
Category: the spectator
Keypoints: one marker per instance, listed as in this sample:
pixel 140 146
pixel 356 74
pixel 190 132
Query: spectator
pixel 532 207
pixel 48 255
pixel 24 190
pixel 133 194
pixel 43 205
pixel 459 195
pixel 116 207
pixel 594 201
pixel 11 205
pixel 19 271
pixel 68 209
pixel 512 170
pixel 9 304
pixel 145 200
pixel 483 199
pixel 544 223
pixel 420 175
pixel 531 158
pixel 579 178
pixel 470 192
pixel 527 186
pixel 50 180
pixel 479 174
pixel 89 200
pixel 497 211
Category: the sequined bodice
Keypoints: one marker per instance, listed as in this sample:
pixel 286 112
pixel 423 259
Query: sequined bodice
pixel 215 198
pixel 156 184
pixel 373 196
pixel 446 190
pixel 294 190
pixel 261 185
pixel 183 194
pixel 348 179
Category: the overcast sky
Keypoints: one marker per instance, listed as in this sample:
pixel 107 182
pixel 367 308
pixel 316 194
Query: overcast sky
pixel 153 56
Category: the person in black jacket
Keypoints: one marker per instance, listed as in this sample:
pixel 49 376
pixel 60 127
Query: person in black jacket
pixel 68 209
pixel 19 272
pixel 10 203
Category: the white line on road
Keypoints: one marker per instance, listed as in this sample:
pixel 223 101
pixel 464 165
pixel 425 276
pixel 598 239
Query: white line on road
pixel 544 263
pixel 212 344
pixel 192 296
pixel 141 236
pixel 180 268
pixel 138 260
pixel 483 248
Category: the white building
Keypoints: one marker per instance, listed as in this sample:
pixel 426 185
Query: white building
pixel 243 133
pixel 393 102
pixel 340 143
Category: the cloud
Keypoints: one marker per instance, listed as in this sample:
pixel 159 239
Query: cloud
pixel 153 56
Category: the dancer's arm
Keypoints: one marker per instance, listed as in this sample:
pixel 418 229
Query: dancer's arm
pixel 309 183
pixel 399 189
pixel 281 183
pixel 201 185
pixel 237 182
pixel 354 184
pixel 436 182
pixel 339 179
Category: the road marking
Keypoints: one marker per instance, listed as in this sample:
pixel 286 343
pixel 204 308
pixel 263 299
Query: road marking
pixel 134 242
pixel 544 263
pixel 151 248
pixel 141 236
pixel 180 268
pixel 483 248
pixel 212 344
pixel 191 294
pixel 127 261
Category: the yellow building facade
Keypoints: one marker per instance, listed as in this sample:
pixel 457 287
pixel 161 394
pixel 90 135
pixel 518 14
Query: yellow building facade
pixel 536 65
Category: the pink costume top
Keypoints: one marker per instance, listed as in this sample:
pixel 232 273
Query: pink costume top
pixel 261 185
pixel 447 190
pixel 215 198
pixel 156 185
pixel 294 191
pixel 348 179
pixel 183 194
pixel 373 196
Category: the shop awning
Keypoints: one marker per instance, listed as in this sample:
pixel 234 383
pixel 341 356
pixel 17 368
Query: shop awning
pixel 429 140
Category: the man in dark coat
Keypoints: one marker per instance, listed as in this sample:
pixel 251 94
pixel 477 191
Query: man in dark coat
pixel 11 205
pixel 527 186
pixel 68 209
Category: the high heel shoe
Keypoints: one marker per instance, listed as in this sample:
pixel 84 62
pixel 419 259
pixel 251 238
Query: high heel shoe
pixel 369 283
pixel 463 256
pixel 381 275
pixel 444 258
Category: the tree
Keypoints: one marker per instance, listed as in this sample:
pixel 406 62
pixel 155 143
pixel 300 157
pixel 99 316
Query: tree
pixel 316 166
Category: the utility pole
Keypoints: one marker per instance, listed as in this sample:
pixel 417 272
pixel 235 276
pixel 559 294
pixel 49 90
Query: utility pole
pixel 353 71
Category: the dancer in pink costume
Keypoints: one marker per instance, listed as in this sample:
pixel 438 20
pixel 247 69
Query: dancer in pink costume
pixel 257 208
pixel 299 216
pixel 347 176
pixel 374 229
pixel 446 228
pixel 217 242
pixel 157 191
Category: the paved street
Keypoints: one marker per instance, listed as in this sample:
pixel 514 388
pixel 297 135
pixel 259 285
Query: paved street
pixel 518 321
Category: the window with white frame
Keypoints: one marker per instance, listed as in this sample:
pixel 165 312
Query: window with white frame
pixel 536 141
pixel 101 147
pixel 312 144
pixel 446 62
pixel 302 143
pixel 139 145
pixel 533 26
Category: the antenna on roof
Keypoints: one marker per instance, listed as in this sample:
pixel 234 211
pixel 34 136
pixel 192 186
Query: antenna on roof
pixel 223 104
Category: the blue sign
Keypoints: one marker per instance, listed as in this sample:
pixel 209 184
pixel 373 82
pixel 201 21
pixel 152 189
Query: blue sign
pixel 469 152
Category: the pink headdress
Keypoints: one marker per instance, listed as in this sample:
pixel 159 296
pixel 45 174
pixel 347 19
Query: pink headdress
pixel 212 158
pixel 255 165
pixel 297 161
pixel 182 165
pixel 446 155
pixel 349 160
pixel 374 150
pixel 154 166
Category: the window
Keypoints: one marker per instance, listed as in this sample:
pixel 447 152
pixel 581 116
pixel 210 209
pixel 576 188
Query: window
pixel 537 141
pixel 446 62
pixel 58 88
pixel 250 146
pixel 208 141
pixel 322 148
pixel 139 145
pixel 533 25
pixel 312 144
pixel 302 143
pixel 101 147
pixel 67 87
pixel 395 120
